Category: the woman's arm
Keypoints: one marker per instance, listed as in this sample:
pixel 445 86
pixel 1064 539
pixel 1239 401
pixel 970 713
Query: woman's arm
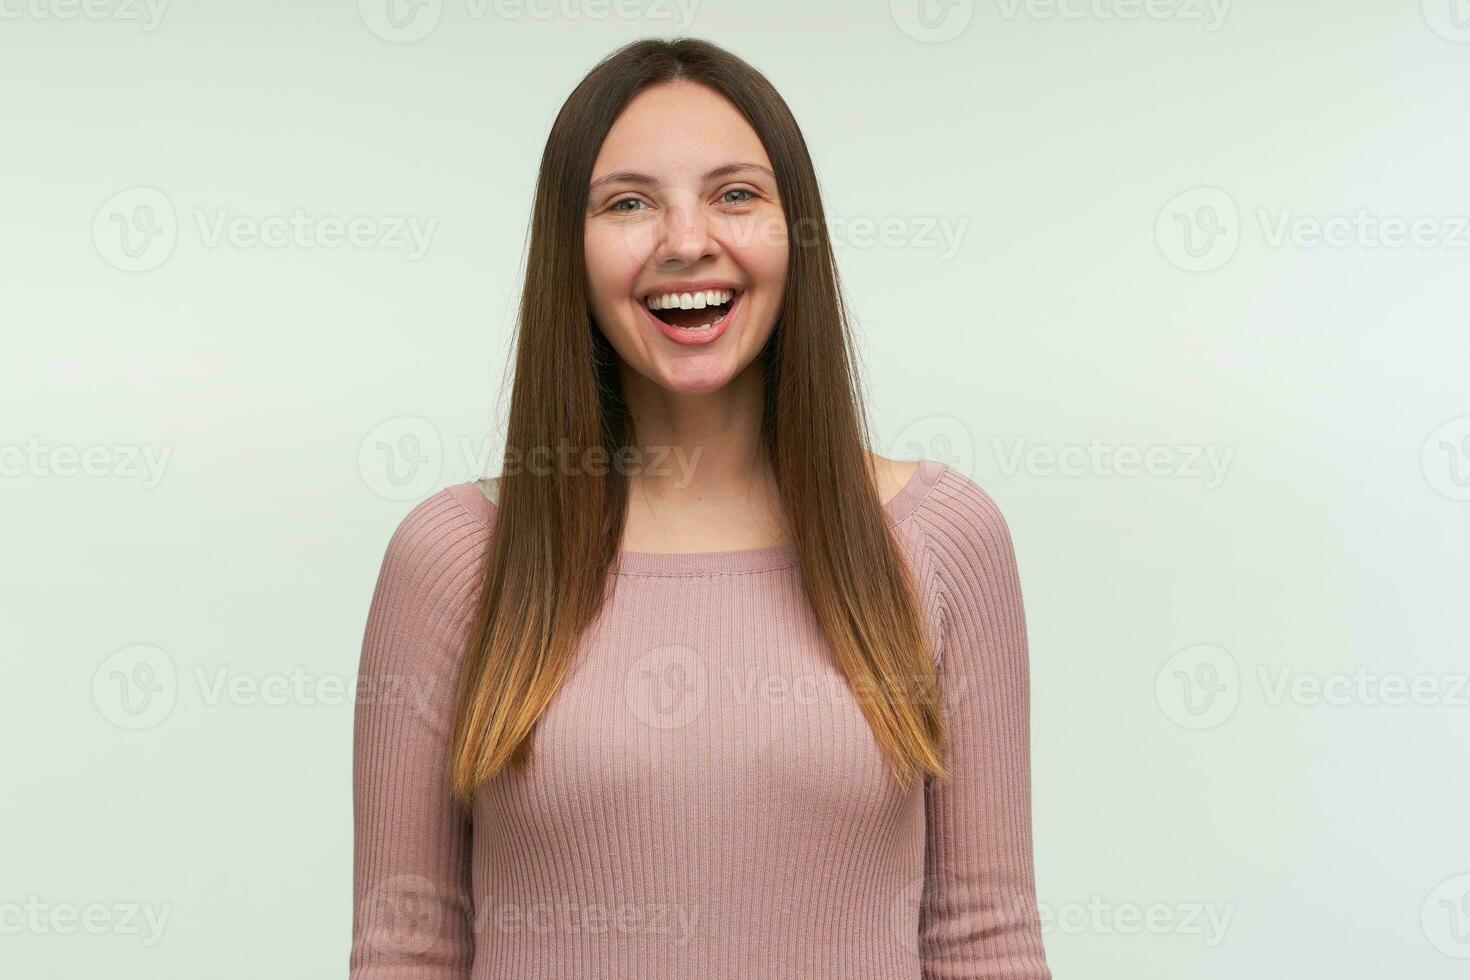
pixel 979 917
pixel 411 871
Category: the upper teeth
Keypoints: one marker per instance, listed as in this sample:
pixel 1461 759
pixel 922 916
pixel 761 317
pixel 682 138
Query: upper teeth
pixel 690 301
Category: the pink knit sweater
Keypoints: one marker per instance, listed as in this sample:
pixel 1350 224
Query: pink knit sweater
pixel 705 800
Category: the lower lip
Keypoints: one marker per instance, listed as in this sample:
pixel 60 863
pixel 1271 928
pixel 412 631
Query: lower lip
pixel 695 337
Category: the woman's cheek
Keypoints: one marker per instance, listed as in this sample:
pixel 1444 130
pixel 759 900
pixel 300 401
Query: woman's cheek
pixel 610 273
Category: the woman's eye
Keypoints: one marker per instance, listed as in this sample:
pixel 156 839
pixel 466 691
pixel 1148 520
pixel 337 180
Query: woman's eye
pixel 632 205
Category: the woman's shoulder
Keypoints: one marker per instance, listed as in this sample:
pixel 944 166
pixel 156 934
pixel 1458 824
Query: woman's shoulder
pixel 442 534
pixel 961 523
pixel 944 494
pixel 892 476
pixel 479 498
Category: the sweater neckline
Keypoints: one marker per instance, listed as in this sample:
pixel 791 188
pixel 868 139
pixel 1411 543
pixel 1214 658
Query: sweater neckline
pixel 769 558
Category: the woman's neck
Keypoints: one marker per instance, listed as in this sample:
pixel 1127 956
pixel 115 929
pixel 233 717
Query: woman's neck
pixel 700 479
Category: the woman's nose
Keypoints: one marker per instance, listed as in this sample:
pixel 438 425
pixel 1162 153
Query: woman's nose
pixel 684 235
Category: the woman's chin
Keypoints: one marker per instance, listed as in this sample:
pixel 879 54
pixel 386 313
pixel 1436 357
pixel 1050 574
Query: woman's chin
pixel 698 375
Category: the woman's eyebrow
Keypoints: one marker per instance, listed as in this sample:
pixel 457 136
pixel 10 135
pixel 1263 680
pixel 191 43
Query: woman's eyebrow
pixel 634 177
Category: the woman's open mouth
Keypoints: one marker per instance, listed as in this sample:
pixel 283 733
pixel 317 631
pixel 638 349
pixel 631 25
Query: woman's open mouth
pixel 693 318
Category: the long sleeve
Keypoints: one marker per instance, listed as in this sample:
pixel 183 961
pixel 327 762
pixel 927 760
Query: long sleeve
pixel 411 854
pixel 979 917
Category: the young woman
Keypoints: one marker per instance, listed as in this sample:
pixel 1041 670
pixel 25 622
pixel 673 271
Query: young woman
pixel 699 687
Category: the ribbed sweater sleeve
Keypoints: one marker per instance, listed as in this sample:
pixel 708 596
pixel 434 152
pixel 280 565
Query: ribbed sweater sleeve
pixel 411 855
pixel 979 916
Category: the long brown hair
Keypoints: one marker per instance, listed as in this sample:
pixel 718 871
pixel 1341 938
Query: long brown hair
pixel 557 533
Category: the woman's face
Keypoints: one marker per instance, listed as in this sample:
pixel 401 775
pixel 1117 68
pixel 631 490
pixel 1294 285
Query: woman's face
pixel 683 202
